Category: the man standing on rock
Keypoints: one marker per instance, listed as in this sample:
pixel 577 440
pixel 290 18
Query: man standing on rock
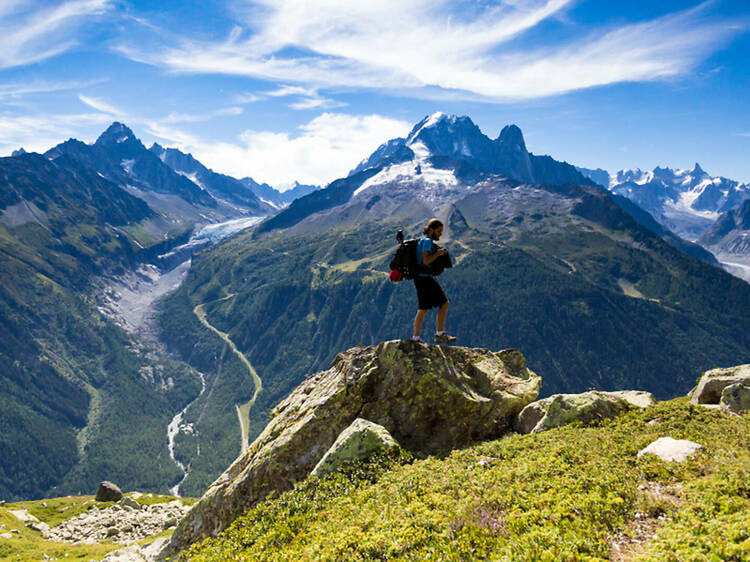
pixel 429 293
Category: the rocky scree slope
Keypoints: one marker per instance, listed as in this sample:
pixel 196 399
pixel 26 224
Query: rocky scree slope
pixel 429 398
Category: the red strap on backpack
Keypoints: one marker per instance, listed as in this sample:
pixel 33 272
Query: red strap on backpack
pixel 396 275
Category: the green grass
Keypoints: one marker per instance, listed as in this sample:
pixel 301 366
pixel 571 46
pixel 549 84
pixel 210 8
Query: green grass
pixel 27 545
pixel 558 495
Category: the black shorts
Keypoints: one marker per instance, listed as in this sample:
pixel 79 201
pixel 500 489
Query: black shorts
pixel 429 293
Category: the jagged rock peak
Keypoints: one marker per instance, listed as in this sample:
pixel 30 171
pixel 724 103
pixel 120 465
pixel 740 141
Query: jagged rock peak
pixel 442 122
pixel 116 133
pixel 697 170
pixel 18 152
pixel 511 135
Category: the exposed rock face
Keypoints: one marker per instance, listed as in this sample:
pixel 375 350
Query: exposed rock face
pixel 358 441
pixel 429 398
pixel 561 409
pixel 108 492
pixel 669 450
pixel 736 398
pixel 712 383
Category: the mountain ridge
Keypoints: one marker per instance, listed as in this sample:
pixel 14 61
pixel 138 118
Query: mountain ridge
pixel 687 201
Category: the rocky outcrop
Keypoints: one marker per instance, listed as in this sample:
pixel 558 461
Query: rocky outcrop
pixel 108 492
pixel 671 450
pixel 429 398
pixel 561 409
pixel 358 441
pixel 735 398
pixel 712 383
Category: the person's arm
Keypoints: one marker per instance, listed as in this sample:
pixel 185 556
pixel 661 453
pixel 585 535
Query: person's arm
pixel 429 257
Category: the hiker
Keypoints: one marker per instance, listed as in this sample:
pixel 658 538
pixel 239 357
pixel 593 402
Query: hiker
pixel 429 293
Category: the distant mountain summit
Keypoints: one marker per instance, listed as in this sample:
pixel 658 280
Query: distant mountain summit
pixel 439 158
pixel 218 185
pixel 275 197
pixel 685 201
pixel 441 141
pixel 120 157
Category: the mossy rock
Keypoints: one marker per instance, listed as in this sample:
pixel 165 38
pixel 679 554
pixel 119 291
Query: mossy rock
pixel 357 442
pixel 735 398
pixel 429 398
pixel 713 382
pixel 562 409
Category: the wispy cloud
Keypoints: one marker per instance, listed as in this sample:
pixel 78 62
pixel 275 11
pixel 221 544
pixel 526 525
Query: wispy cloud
pixel 323 149
pixel 103 106
pixel 247 97
pixel 30 35
pixel 42 131
pixel 19 89
pixel 446 45
pixel 308 98
pixel 205 116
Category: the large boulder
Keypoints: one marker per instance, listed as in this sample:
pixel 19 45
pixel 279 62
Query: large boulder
pixel 429 398
pixel 561 409
pixel 108 492
pixel 358 441
pixel 735 398
pixel 712 383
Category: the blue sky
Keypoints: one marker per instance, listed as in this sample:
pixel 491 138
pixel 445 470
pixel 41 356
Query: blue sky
pixel 285 90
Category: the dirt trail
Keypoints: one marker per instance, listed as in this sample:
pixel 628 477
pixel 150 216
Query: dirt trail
pixel 243 410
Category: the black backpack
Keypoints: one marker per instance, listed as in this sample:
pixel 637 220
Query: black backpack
pixel 405 261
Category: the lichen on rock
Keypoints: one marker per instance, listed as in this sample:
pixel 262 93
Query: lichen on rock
pixel 735 398
pixel 358 441
pixel 561 409
pixel 429 398
pixel 713 382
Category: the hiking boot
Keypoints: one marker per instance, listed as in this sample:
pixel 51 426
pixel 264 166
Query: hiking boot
pixel 416 339
pixel 444 337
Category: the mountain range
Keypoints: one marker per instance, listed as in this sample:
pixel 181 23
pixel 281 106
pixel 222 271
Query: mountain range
pixel 83 400
pixel 593 290
pixel 687 201
pixel 545 261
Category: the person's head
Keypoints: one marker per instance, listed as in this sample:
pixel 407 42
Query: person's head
pixel 434 229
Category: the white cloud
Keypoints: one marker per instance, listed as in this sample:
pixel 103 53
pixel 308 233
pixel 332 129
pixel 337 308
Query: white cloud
pixel 19 89
pixel 446 44
pixel 207 116
pixel 39 133
pixel 32 35
pixel 323 149
pixel 247 97
pixel 103 106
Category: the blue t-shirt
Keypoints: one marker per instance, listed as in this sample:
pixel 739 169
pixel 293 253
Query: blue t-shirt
pixel 425 244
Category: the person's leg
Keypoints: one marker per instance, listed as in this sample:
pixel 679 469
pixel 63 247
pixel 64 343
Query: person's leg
pixel 418 319
pixel 441 315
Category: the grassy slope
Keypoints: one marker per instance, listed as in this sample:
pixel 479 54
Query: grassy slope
pixel 565 494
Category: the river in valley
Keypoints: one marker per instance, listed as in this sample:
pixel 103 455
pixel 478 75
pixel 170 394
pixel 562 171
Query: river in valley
pixel 130 300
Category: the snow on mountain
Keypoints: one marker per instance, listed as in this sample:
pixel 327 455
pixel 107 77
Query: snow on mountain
pixel 687 201
pixel 442 152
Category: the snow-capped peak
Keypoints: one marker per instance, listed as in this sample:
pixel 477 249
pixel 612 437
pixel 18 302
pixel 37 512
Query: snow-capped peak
pixel 428 122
